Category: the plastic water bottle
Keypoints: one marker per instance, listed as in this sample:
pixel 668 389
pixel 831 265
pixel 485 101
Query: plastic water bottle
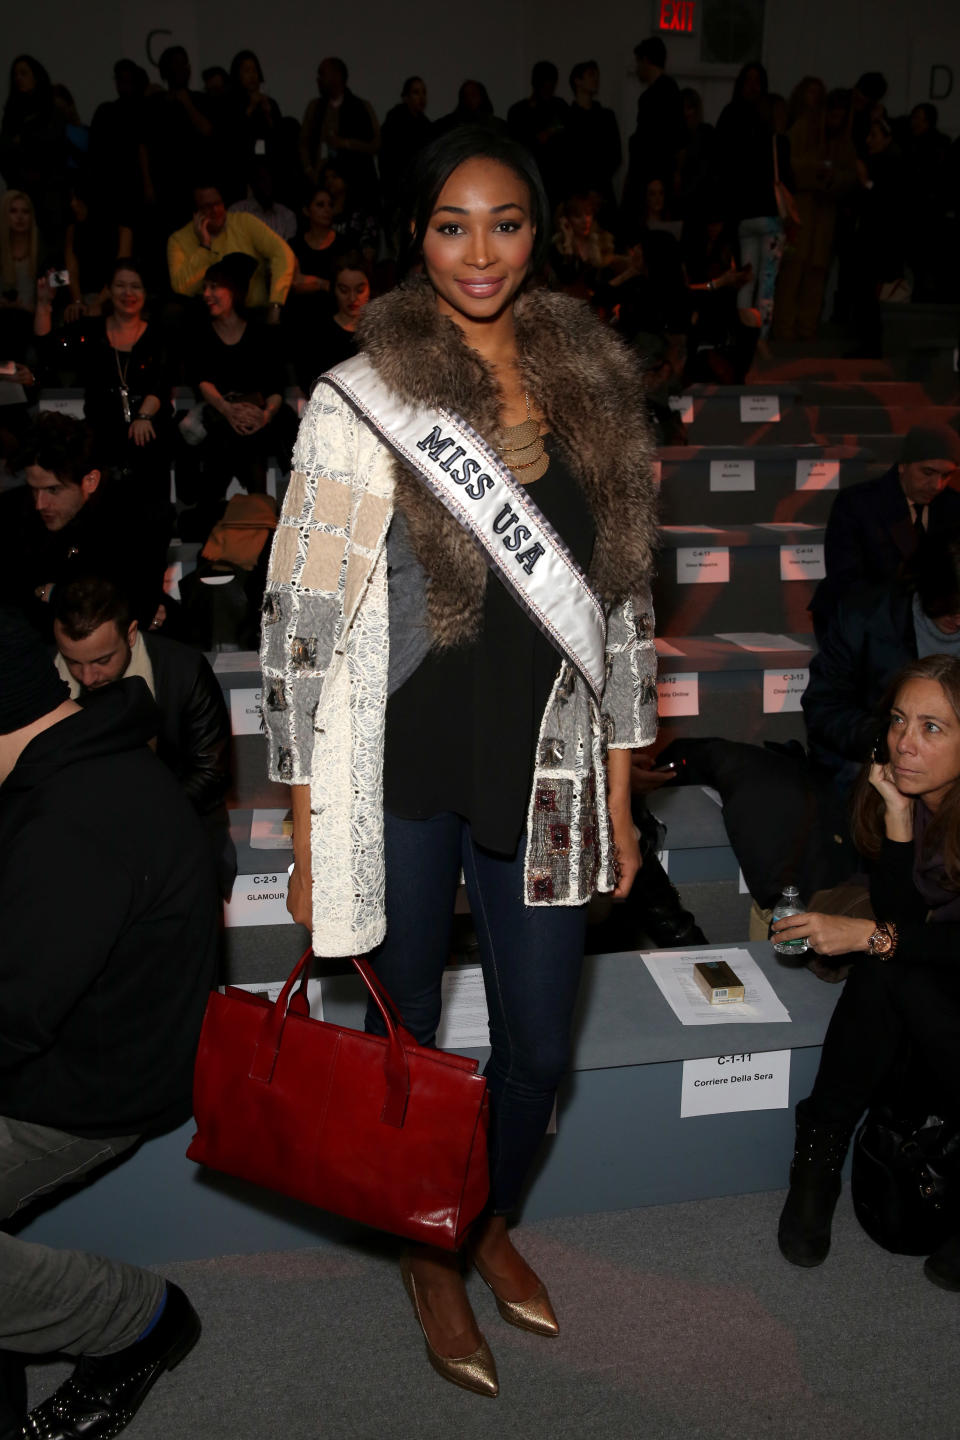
pixel 789 904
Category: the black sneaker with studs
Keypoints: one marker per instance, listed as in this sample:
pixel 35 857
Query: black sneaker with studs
pixel 104 1392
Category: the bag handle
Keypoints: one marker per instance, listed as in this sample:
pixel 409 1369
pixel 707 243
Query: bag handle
pixel 395 1067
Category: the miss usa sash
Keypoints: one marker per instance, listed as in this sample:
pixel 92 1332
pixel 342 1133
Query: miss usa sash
pixel 484 496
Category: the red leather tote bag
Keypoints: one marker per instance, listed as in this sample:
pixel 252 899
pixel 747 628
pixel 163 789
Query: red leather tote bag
pixel 378 1130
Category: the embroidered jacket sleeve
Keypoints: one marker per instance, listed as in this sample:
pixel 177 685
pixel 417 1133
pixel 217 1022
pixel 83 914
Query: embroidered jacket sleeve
pixel 303 605
pixel 630 696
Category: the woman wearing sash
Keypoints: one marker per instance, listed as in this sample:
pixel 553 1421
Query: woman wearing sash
pixel 424 720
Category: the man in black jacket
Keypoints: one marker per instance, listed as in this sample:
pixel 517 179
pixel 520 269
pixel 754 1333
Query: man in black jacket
pixel 875 527
pixel 591 143
pixel 71 519
pixel 99 643
pixel 108 910
pixel 874 631
pixel 660 126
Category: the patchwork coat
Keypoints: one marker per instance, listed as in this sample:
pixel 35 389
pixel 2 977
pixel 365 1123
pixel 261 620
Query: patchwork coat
pixel 325 621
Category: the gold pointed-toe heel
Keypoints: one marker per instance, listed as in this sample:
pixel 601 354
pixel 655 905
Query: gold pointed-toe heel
pixel 476 1372
pixel 536 1314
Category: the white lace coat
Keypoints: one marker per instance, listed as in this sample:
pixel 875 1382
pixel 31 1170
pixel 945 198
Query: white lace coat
pixel 324 656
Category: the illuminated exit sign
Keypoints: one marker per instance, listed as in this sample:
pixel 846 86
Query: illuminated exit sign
pixel 676 16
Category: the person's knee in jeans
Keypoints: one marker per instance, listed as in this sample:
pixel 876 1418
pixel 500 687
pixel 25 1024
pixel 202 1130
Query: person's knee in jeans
pixel 531 1067
pixel 419 1011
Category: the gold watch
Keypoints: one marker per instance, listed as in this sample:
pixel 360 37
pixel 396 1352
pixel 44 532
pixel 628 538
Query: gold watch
pixel 883 941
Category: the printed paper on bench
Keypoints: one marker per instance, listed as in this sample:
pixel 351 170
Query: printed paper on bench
pixel 463 1015
pixel 761 640
pixel 786 525
pixel 673 972
pixel 266 830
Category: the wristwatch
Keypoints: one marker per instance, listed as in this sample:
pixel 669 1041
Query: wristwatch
pixel 883 941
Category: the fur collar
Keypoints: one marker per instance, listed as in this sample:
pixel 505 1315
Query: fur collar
pixel 589 388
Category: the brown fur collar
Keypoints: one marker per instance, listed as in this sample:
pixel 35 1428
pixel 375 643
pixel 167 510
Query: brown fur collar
pixel 588 386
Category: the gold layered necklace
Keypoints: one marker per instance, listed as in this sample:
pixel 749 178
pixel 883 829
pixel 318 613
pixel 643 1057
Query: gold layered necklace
pixel 522 449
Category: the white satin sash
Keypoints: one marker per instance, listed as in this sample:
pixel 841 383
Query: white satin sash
pixel 485 497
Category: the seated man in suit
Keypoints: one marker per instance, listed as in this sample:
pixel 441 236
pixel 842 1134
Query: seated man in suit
pixel 876 526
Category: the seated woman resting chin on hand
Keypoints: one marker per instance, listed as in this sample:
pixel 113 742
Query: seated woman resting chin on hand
pixel 906 986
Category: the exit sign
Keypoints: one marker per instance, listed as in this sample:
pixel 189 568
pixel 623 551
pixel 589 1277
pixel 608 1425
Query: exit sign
pixel 676 16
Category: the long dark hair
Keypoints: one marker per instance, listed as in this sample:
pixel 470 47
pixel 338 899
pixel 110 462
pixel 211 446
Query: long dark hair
pixel 741 80
pixel 234 272
pixel 40 97
pixel 867 819
pixel 238 61
pixel 436 163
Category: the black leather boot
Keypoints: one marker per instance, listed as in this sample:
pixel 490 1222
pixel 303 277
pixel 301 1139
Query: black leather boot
pixel 819 1153
pixel 104 1392
pixel 13 1395
pixel 943 1266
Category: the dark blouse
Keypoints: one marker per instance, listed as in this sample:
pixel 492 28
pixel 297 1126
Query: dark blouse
pixel 462 732
pixel 250 367
pixel 321 263
pixel 320 349
pixel 101 369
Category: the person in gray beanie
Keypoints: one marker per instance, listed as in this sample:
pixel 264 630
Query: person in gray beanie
pixel 875 527
pixel 108 915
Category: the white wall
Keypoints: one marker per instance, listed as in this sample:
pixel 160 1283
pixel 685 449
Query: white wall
pixel 383 41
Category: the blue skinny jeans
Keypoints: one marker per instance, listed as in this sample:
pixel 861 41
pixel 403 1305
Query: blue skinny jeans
pixel 531 959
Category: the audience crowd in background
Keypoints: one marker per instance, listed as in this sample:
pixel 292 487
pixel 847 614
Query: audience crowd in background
pixel 788 212
pixel 194 258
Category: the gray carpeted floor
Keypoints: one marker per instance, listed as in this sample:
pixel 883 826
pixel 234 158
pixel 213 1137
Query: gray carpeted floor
pixel 677 1321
